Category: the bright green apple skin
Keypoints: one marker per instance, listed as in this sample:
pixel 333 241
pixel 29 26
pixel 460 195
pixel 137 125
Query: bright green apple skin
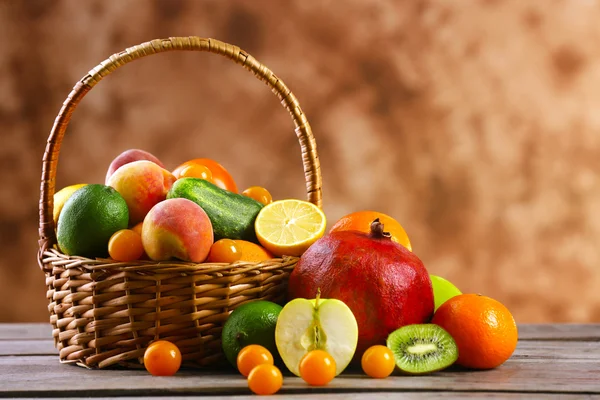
pixel 443 290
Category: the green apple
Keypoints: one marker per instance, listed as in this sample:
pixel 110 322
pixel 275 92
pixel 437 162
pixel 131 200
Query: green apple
pixel 443 290
pixel 324 324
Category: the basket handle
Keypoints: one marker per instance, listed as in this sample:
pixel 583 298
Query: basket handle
pixel 312 171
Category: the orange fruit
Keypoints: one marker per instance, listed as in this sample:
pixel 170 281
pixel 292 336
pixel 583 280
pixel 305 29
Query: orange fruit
pixel 252 356
pixel 196 171
pixel 265 379
pixel 361 221
pixel 378 361
pixel 259 194
pixel 138 228
pixel 229 251
pixel 484 330
pixel 198 166
pixel 253 252
pixel 162 358
pixel 224 251
pixel 125 245
pixel 317 368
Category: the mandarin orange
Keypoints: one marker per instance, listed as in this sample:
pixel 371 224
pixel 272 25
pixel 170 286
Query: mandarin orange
pixel 484 330
pixel 219 175
pixel 253 252
pixel 361 221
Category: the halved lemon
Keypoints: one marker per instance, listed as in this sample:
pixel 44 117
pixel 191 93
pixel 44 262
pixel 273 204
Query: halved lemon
pixel 289 227
pixel 61 197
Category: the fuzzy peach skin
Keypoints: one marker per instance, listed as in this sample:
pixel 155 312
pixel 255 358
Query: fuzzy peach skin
pixel 177 228
pixel 128 156
pixel 142 184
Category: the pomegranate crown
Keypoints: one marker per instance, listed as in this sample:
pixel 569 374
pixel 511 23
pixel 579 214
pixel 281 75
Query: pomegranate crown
pixel 377 231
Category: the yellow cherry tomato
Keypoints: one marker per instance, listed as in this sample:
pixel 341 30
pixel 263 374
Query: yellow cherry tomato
pixel 251 356
pixel 265 379
pixel 259 194
pixel 162 358
pixel 225 251
pixel 378 362
pixel 125 245
pixel 196 171
pixel 317 368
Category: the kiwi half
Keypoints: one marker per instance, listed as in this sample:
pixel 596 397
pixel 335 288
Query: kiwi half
pixel 422 348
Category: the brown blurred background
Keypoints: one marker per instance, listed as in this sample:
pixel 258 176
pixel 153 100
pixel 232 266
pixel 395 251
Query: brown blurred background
pixel 476 124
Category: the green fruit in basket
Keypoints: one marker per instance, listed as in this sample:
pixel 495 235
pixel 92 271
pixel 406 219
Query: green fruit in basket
pixel 422 348
pixel 232 215
pixel 250 323
pixel 88 220
pixel 443 290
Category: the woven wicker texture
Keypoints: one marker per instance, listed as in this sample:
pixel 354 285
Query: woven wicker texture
pixel 105 313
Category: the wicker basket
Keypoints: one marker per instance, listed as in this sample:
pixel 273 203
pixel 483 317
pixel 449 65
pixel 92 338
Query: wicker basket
pixel 105 313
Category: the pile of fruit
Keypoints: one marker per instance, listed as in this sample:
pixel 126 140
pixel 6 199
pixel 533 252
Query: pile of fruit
pixel 358 294
pixel 318 339
pixel 193 213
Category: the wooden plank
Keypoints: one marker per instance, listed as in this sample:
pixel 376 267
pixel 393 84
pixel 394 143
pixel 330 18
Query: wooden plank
pixel 27 347
pixel 526 331
pixel 30 376
pixel 558 351
pixel 369 396
pixel 25 331
pixel 559 332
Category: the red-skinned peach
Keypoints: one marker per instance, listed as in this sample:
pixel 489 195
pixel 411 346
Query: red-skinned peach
pixel 128 156
pixel 177 228
pixel 142 184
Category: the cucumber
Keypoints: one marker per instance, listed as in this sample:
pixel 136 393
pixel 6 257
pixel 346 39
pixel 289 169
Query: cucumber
pixel 232 215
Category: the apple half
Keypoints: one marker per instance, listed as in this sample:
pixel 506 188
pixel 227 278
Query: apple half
pixel 319 324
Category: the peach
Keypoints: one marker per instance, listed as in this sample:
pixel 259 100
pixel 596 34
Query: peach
pixel 142 184
pixel 177 228
pixel 128 156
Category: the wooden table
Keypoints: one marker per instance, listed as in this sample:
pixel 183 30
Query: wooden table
pixel 553 361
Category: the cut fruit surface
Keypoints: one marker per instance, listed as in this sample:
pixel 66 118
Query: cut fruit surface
pixel 325 324
pixel 422 348
pixel 289 227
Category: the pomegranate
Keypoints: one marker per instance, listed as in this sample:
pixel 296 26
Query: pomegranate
pixel 385 285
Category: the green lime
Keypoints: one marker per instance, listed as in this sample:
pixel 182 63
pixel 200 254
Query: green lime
pixel 89 218
pixel 251 323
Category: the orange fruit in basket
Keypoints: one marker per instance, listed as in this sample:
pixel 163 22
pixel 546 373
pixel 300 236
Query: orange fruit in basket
pixel 220 176
pixel 125 245
pixel 196 171
pixel 138 228
pixel 253 252
pixel 229 251
pixel 224 251
pixel 259 194
pixel 361 221
pixel 484 330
